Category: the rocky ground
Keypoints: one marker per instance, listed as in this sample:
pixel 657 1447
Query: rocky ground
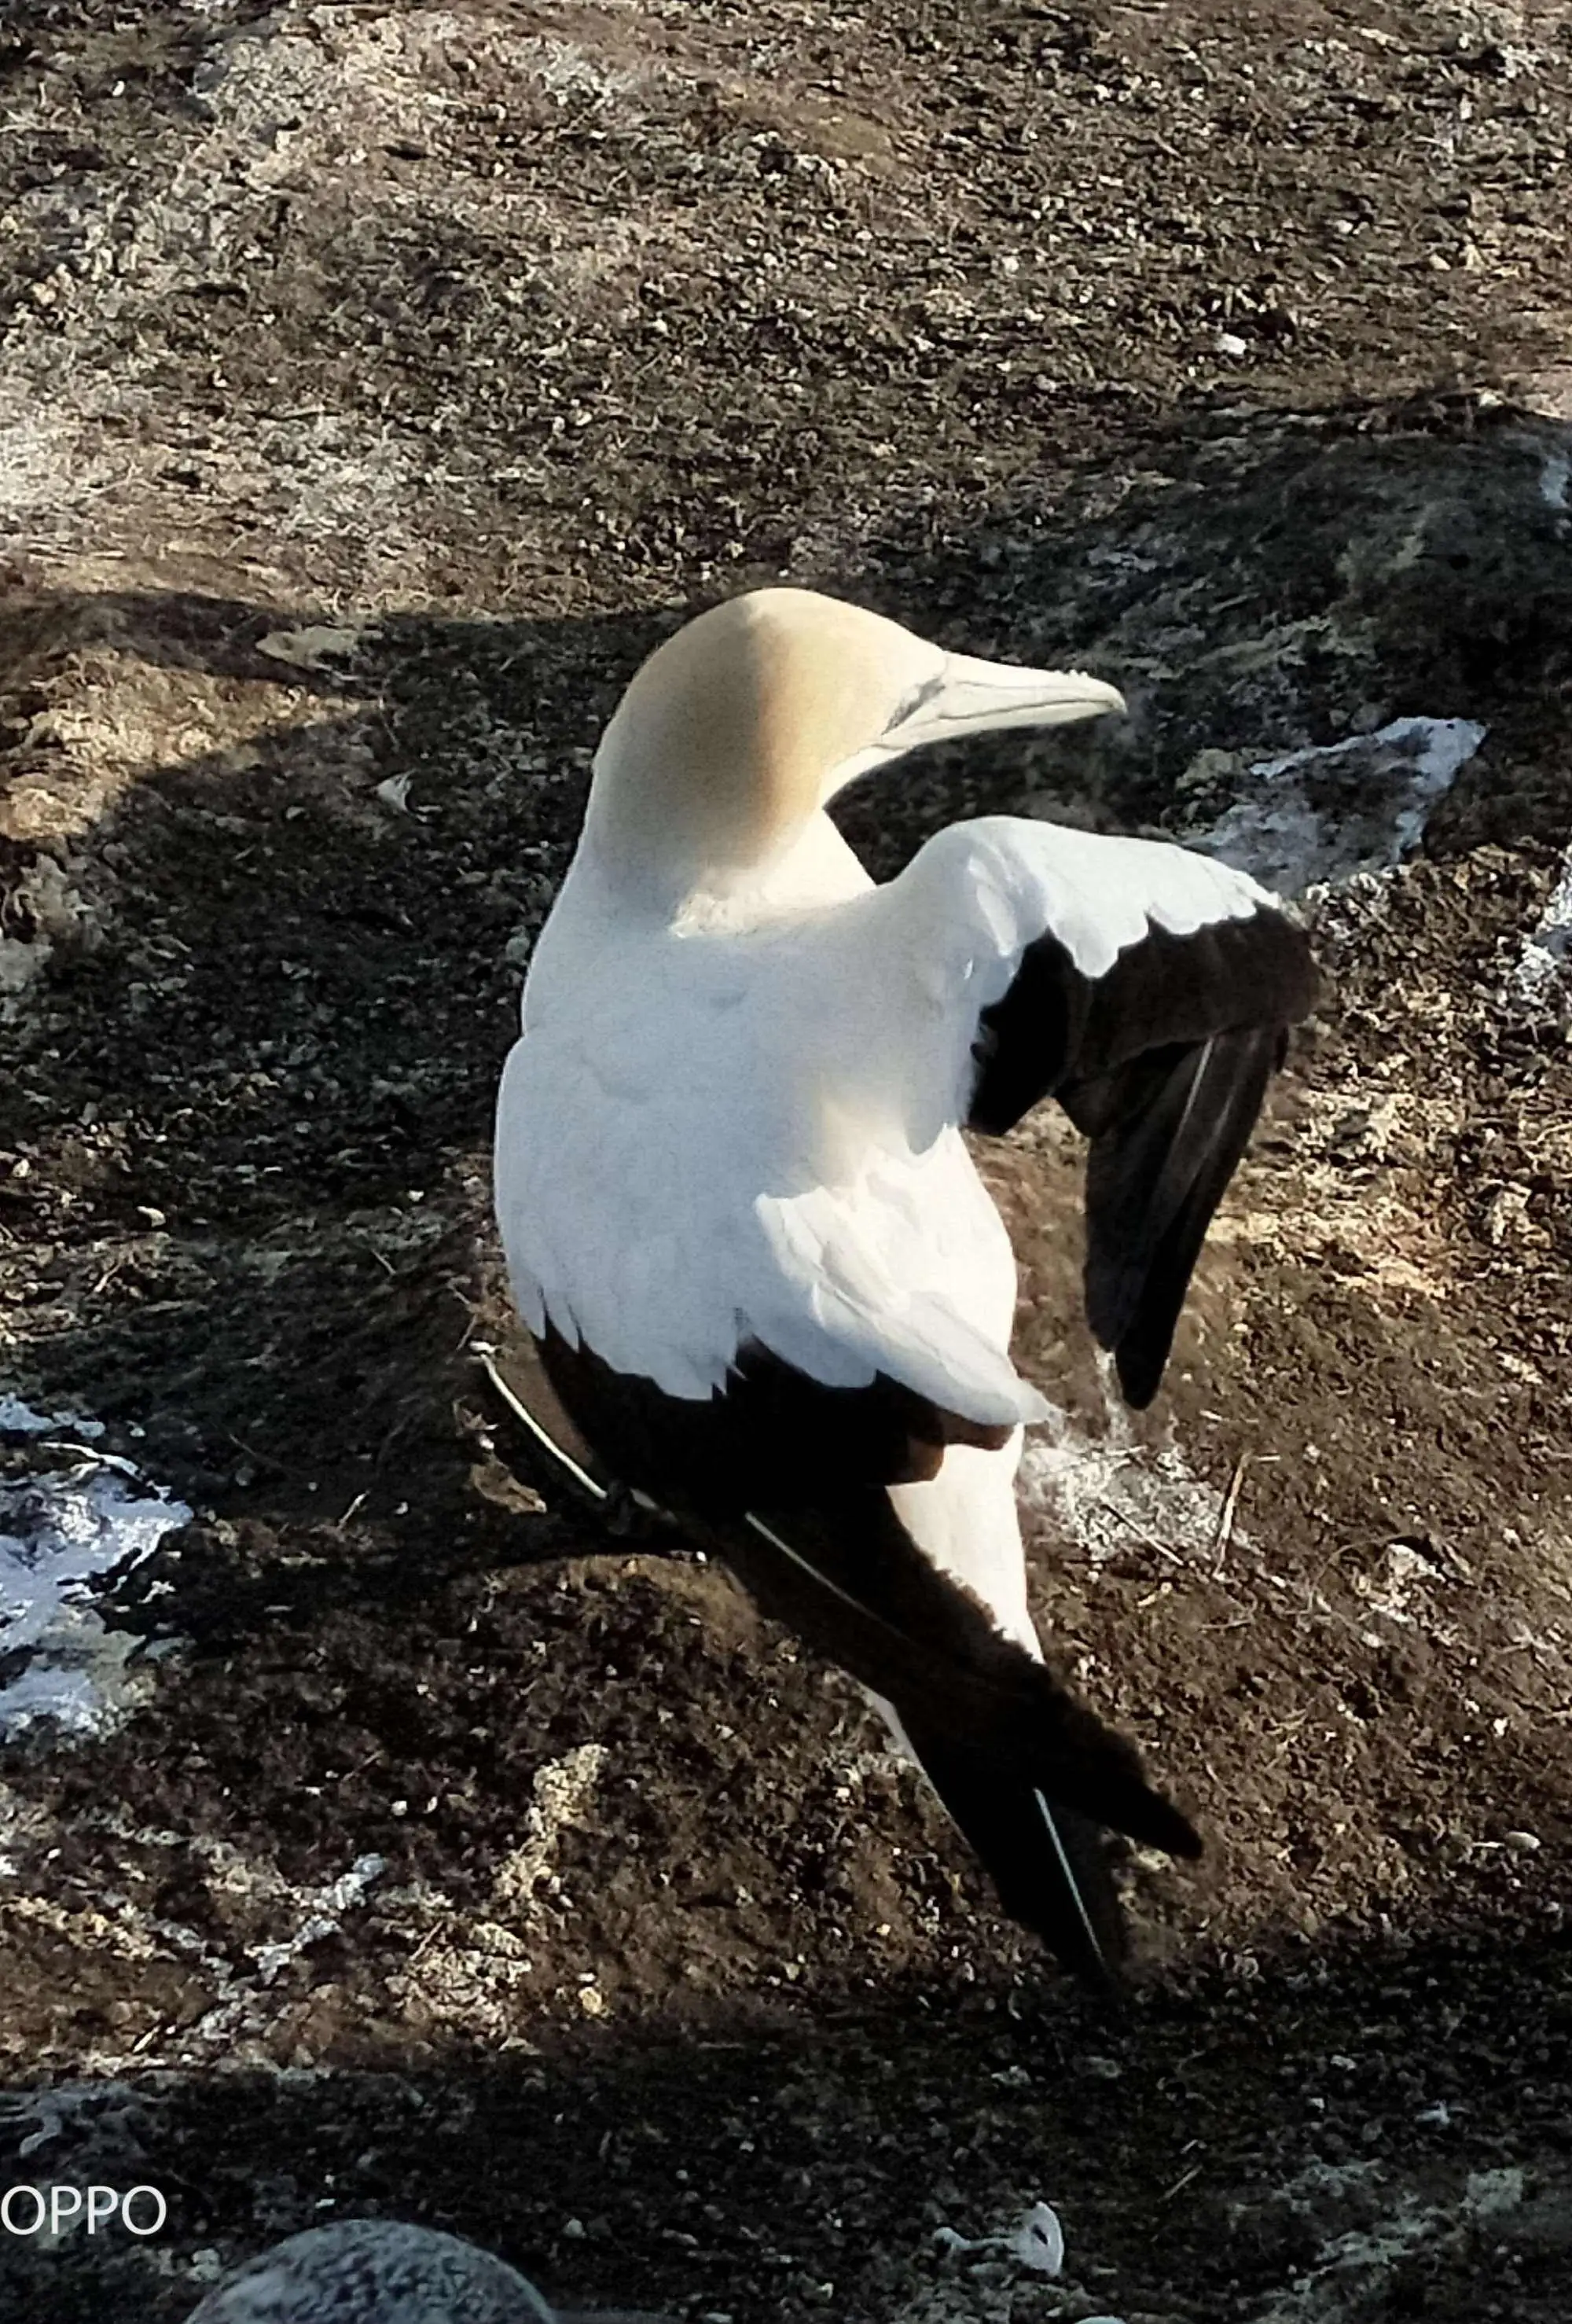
pixel 378 383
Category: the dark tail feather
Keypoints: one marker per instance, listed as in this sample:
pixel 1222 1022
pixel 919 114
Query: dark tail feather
pixel 1049 1864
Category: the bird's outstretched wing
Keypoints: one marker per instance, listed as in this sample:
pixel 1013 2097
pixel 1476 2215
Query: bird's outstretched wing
pixel 1147 988
pixel 756 1142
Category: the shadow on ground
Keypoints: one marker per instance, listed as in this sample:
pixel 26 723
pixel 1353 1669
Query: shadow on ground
pixel 1378 2132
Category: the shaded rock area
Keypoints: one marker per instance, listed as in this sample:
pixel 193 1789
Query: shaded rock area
pixel 378 384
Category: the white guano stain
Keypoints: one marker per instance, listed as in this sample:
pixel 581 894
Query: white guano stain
pixel 1354 2268
pixel 1110 1491
pixel 1318 817
pixel 60 1534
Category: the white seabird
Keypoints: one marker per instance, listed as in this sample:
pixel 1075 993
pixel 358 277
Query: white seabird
pixel 766 1283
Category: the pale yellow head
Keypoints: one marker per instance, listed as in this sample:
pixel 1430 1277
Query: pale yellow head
pixel 738 730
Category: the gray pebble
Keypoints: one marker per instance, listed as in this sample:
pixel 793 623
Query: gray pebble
pixel 374 2271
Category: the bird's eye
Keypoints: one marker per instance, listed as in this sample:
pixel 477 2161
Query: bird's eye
pixel 917 699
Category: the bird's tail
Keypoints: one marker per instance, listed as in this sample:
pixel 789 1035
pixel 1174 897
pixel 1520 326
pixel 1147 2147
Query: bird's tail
pixel 1049 1864
pixel 1029 1775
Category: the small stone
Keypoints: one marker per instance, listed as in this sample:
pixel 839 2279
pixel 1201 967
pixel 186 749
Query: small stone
pixel 1038 2242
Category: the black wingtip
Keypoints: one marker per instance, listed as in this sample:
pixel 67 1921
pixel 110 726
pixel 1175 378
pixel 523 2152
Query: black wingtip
pixel 1179 1835
pixel 1092 1770
pixel 1084 1923
pixel 995 1728
pixel 1140 1372
pixel 1154 1178
pixel 1049 1864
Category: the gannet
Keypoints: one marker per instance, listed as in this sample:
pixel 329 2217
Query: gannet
pixel 742 1225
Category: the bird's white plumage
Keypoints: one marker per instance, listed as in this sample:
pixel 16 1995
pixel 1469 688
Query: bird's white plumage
pixel 765 1100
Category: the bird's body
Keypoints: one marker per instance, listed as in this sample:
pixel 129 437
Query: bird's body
pixel 742 1220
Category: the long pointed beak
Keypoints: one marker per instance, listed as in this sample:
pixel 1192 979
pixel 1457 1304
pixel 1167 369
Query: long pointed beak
pixel 969 696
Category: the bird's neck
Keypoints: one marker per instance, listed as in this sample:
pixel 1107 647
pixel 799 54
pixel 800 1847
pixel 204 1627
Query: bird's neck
pixel 813 868
pixel 611 919
pixel 678 888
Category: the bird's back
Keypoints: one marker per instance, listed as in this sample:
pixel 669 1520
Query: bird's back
pixel 695 1148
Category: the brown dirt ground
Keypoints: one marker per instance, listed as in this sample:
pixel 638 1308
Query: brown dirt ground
pixel 377 384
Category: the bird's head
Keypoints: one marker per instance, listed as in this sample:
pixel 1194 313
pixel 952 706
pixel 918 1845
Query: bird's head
pixel 740 728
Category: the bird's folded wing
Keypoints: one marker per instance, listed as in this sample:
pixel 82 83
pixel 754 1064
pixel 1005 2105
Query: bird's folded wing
pixel 1147 989
pixel 822 1548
